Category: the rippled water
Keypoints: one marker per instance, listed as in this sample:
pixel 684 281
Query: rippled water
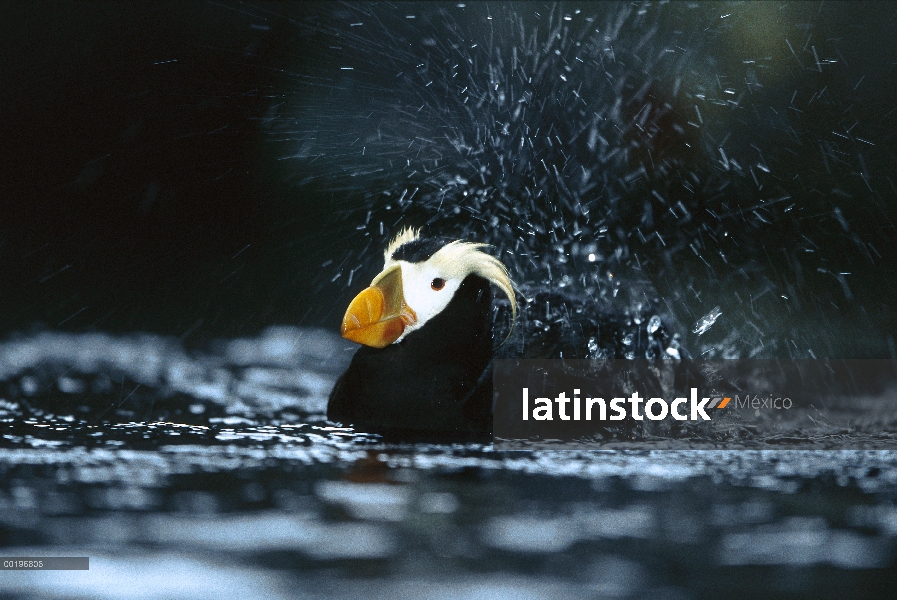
pixel 214 475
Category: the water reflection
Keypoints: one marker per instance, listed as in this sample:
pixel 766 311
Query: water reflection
pixel 804 541
pixel 253 497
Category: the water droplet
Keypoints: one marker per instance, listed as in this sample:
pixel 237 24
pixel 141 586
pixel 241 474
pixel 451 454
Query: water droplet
pixel 705 322
pixel 653 324
pixel 593 347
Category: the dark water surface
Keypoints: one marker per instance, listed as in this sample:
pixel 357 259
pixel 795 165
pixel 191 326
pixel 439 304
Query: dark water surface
pixel 214 475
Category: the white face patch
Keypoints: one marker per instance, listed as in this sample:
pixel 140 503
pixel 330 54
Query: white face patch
pixel 430 285
pixel 420 295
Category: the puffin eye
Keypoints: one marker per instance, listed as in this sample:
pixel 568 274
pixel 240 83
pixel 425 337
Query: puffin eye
pixel 437 284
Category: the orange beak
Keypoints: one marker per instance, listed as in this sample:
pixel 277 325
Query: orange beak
pixel 378 315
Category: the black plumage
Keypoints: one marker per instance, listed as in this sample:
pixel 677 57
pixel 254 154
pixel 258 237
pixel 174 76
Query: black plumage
pixel 420 249
pixel 436 382
pixel 433 384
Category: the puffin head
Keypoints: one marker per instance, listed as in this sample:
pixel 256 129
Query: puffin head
pixel 419 278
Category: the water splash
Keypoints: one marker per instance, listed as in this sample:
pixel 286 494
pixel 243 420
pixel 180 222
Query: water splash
pixel 652 141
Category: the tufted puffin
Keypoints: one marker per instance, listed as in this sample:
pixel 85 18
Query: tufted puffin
pixel 425 325
pixel 423 371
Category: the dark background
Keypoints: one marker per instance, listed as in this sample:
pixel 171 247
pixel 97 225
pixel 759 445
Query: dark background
pixel 134 190
pixel 142 190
